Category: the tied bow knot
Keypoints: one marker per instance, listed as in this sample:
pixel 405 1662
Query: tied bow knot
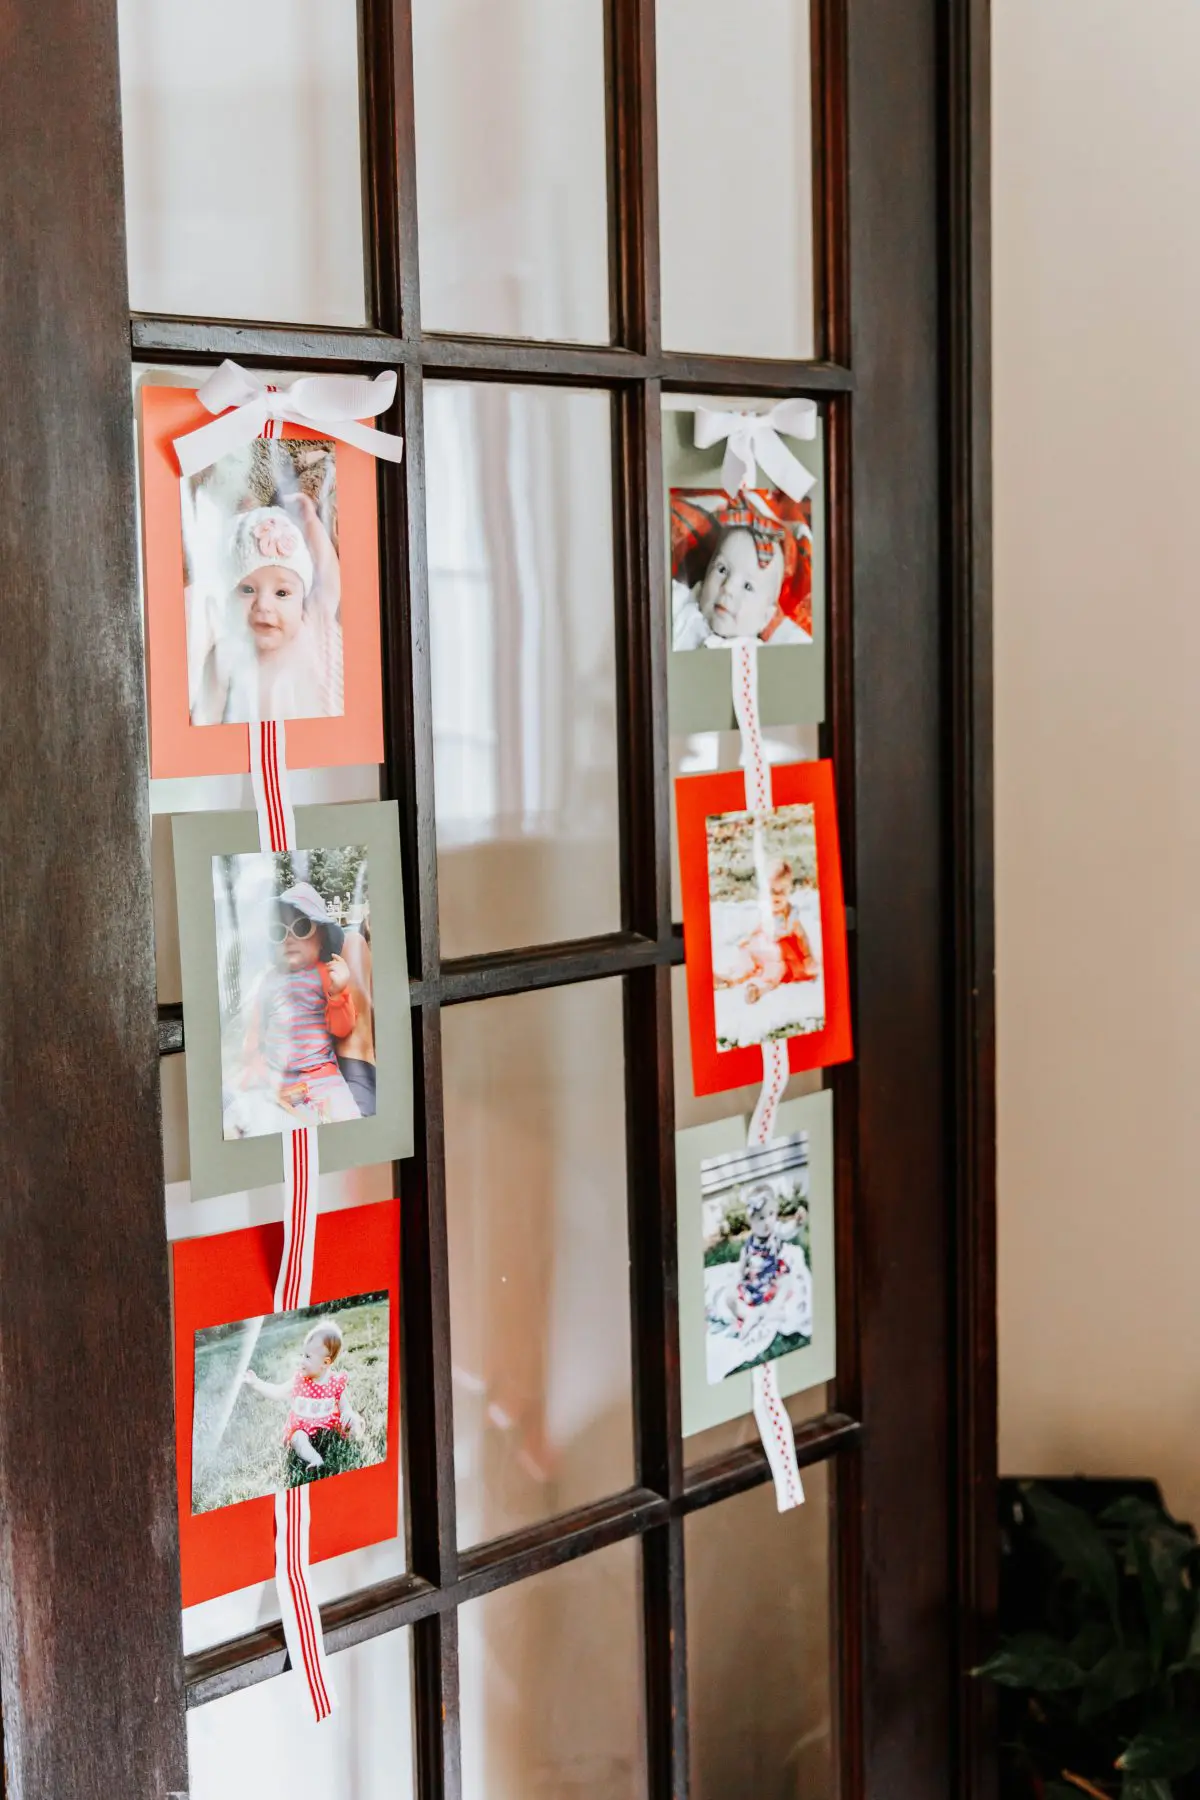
pixel 752 440
pixel 330 404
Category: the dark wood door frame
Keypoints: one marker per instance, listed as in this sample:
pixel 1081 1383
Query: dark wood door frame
pixel 921 680
pixel 90 1666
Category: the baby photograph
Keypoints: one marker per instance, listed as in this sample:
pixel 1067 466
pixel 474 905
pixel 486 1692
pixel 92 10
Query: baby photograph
pixel 262 584
pixel 740 568
pixel 765 909
pixel 295 995
pixel 758 1288
pixel 288 1399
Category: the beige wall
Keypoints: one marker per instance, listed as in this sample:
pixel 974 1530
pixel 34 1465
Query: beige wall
pixel 1097 357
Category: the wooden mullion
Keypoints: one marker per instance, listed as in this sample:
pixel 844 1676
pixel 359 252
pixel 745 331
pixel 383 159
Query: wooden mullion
pixel 549 965
pixel 162 339
pixel 406 1600
pixel 664 1628
pixel 514 359
pixel 427 1413
pixel 536 1548
pixel 720 1477
pixel 437 1744
pixel 646 882
pixel 503 972
pixel 157 338
pixel 683 371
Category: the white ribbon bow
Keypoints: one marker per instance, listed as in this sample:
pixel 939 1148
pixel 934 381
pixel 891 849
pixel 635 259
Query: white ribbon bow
pixel 753 440
pixel 331 404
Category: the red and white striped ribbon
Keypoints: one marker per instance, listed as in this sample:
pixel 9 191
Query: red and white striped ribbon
pixel 268 772
pixel 301 1620
pixel 293 1285
pixel 774 1425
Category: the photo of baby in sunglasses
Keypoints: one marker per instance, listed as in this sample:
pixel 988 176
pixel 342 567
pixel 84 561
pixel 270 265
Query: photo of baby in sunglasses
pixel 294 983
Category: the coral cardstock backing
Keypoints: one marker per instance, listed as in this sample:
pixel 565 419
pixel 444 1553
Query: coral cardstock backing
pixel 177 747
pixel 222 1279
pixel 697 798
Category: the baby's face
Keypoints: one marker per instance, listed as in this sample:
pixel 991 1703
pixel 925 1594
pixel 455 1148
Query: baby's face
pixel 273 601
pixel 314 1358
pixel 299 952
pixel 737 596
pixel 781 889
pixel 764 1216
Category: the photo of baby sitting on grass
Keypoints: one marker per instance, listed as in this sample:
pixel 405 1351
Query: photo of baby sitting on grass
pixel 765 907
pixel 289 1398
pixel 740 568
pixel 294 989
pixel 262 584
pixel 758 1288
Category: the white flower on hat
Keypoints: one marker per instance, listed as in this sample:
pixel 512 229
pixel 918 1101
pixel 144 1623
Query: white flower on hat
pixel 269 537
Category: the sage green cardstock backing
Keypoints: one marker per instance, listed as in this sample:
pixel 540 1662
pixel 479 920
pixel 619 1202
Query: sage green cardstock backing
pixel 791 677
pixel 221 1166
pixel 704 1403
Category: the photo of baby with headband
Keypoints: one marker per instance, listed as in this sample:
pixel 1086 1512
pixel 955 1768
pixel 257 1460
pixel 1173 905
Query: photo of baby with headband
pixel 262 584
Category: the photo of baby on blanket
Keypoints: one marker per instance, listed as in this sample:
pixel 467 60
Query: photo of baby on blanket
pixel 758 1288
pixel 765 907
pixel 289 1398
pixel 294 988
pixel 262 584
pixel 740 568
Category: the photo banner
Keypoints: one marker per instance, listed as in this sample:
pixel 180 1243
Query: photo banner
pixel 293 1287
pixel 770 1414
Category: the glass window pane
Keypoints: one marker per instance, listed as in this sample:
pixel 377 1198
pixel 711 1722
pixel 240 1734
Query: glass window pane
pixel 260 1743
pixel 551 1684
pixel 735 176
pixel 539 1254
pixel 524 663
pixel 243 177
pixel 511 167
pixel 760 1646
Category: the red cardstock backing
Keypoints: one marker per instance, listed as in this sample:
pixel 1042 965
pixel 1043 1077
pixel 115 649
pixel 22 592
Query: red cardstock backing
pixel 697 798
pixel 177 747
pixel 222 1279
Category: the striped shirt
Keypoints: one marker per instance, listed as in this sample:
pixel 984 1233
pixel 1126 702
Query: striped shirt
pixel 296 1036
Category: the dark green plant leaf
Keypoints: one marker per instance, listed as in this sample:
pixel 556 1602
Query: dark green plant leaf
pixel 1167 1747
pixel 1078 1544
pixel 1139 1787
pixel 1134 1513
pixel 1191 1657
pixel 1125 1671
pixel 1141 1518
pixel 1092 1641
pixel 1033 1659
pixel 1153 1599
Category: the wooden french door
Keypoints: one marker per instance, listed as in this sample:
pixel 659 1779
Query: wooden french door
pixel 93 1681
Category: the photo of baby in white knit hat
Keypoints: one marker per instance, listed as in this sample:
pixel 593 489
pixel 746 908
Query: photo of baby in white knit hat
pixel 262 584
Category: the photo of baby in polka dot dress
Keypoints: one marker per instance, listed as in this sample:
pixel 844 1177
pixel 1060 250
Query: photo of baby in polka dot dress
pixel 289 1398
